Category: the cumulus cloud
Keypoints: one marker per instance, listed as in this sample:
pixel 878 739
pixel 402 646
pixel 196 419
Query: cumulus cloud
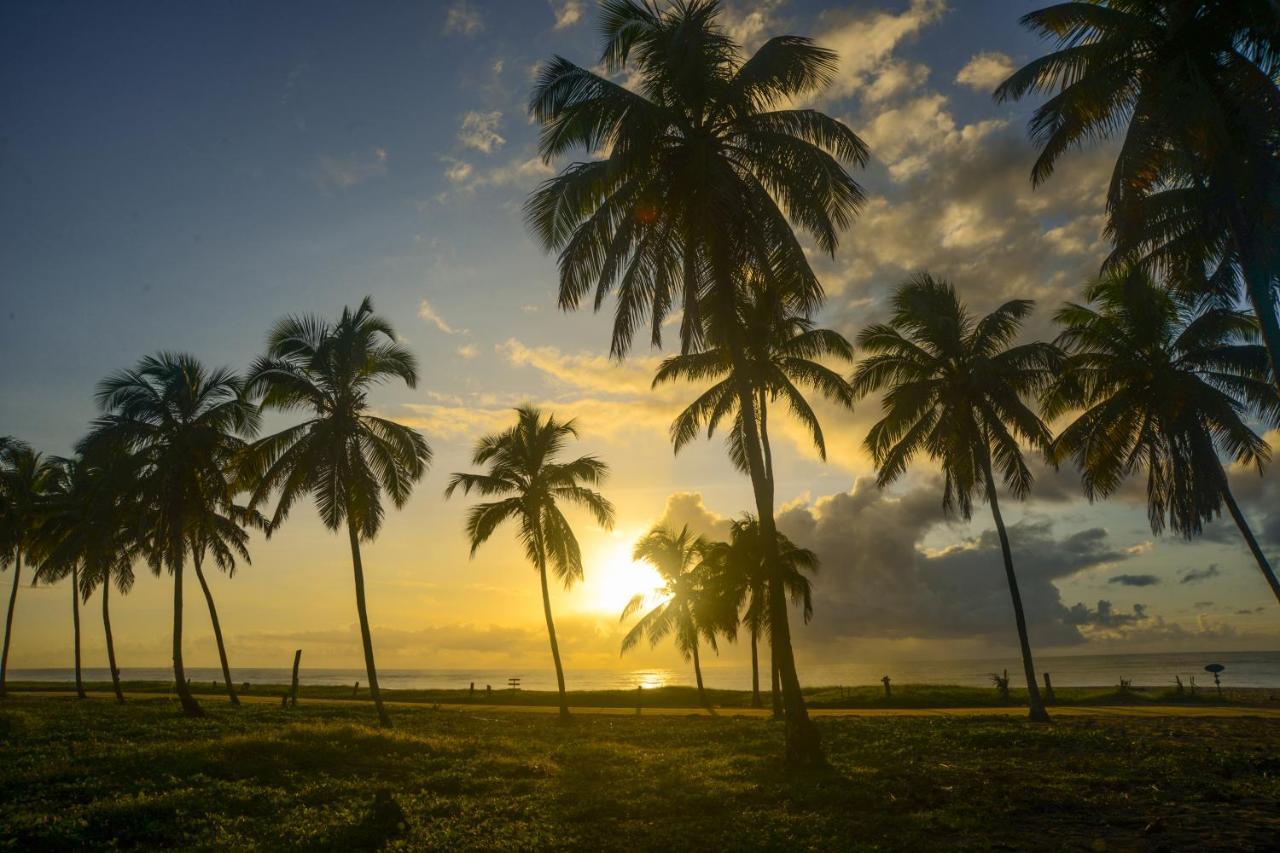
pixel 985 71
pixel 458 171
pixel 1135 580
pixel 346 172
pixel 462 18
pixel 567 12
pixel 1105 616
pixel 480 131
pixel 866 40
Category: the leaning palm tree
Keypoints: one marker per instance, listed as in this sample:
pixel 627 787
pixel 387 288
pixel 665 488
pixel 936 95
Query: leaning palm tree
pixel 530 484
pixel 25 477
pixel 1192 87
pixel 342 455
pixel 737 576
pixel 705 169
pixel 1166 386
pixel 956 390
pixel 783 351
pixel 685 600
pixel 182 422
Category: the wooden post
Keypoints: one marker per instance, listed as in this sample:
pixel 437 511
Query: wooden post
pixel 888 692
pixel 293 695
pixel 1048 688
pixel 639 697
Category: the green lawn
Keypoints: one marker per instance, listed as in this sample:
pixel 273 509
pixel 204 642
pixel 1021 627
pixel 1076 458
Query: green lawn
pixel 85 774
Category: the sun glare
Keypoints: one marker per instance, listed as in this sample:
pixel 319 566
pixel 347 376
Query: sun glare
pixel 613 578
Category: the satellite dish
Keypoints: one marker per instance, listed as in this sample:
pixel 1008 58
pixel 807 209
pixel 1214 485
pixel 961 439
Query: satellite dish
pixel 1215 668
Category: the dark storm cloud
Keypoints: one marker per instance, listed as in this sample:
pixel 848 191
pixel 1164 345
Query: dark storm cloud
pixel 1135 580
pixel 1200 575
pixel 1105 615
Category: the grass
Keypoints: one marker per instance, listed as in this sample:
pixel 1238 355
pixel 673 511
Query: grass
pixel 318 777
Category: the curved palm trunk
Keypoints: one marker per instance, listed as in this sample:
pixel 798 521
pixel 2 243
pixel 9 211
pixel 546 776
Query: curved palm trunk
pixel 217 632
pixel 75 627
pixel 111 646
pixel 755 670
pixel 1263 565
pixel 551 632
pixel 8 620
pixel 774 685
pixel 1038 713
pixel 803 745
pixel 697 660
pixel 1258 286
pixel 190 706
pixel 370 669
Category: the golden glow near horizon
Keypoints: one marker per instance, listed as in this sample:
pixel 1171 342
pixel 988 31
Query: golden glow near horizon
pixel 612 578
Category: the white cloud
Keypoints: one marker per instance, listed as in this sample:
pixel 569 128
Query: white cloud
pixel 865 42
pixel 462 19
pixel 428 313
pixel 346 172
pixel 480 131
pixel 458 171
pixel 467 351
pixel 985 71
pixel 752 25
pixel 567 12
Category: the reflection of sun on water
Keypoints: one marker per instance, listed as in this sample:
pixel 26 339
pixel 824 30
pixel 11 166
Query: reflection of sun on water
pixel 614 577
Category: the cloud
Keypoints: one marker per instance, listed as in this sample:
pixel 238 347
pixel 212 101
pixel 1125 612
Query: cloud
pixel 428 313
pixel 346 172
pixel 458 171
pixel 480 131
pixel 467 351
pixel 985 71
pixel 865 40
pixel 1105 616
pixel 687 509
pixel 751 23
pixel 567 12
pixel 1135 580
pixel 1201 575
pixel 462 19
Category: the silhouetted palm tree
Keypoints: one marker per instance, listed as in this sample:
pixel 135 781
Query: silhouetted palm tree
pixel 1164 386
pixel 524 473
pixel 705 169
pixel 181 420
pixel 685 598
pixel 782 349
pixel 956 390
pixel 737 575
pixel 343 456
pixel 1192 86
pixel 24 480
pixel 66 500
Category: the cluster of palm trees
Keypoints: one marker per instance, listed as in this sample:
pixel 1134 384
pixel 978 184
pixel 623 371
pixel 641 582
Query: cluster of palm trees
pixel 698 184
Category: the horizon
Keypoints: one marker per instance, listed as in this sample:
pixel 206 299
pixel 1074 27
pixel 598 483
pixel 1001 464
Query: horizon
pixel 183 192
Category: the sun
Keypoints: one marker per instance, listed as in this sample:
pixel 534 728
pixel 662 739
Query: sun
pixel 613 578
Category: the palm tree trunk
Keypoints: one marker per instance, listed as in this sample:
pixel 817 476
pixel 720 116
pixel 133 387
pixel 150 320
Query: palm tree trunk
pixel 8 620
pixel 551 632
pixel 755 670
pixel 217 632
pixel 370 669
pixel 111 646
pixel 1249 538
pixel 775 686
pixel 190 706
pixel 1258 286
pixel 1038 713
pixel 75 627
pixel 803 744
pixel 697 675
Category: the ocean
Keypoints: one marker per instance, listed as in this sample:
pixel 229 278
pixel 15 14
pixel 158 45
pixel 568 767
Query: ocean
pixel 1243 669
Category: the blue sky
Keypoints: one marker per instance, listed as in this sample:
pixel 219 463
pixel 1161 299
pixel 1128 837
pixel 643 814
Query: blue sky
pixel 178 176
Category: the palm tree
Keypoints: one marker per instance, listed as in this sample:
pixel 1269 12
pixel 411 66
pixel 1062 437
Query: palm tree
pixel 737 576
pixel 342 455
pixel 221 533
pixel 705 169
pixel 782 349
pixel 686 606
pixel 181 420
pixel 956 390
pixel 24 480
pixel 523 472
pixel 1167 386
pixel 1192 87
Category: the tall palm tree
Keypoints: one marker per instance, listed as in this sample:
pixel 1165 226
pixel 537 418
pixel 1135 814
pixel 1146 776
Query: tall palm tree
pixel 957 390
pixel 182 421
pixel 706 168
pixel 530 483
pixel 25 476
pixel 1193 89
pixel 91 531
pixel 686 603
pixel 221 533
pixel 1167 386
pixel 342 455
pixel 737 575
pixel 782 350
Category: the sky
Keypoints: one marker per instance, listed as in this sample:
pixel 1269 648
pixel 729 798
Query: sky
pixel 179 176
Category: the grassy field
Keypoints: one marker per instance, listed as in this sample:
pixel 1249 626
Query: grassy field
pixel 90 774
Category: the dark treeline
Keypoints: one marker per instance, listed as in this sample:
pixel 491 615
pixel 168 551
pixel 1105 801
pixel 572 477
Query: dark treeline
pixel 699 188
